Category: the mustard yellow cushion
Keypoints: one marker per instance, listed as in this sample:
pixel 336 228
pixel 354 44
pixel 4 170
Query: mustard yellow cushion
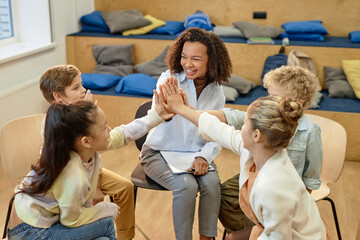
pixel 352 71
pixel 143 30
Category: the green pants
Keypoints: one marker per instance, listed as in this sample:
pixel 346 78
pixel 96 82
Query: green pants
pixel 231 216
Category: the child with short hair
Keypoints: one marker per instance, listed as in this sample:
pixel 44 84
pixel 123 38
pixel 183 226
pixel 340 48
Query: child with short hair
pixel 272 194
pixel 63 84
pixel 55 199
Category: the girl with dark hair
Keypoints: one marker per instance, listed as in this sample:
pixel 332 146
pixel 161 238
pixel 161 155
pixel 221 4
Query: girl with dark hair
pixel 272 194
pixel 54 201
pixel 200 62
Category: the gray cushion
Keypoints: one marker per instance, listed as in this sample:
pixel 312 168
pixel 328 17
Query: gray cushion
pixel 230 93
pixel 119 21
pixel 242 85
pixel 154 67
pixel 255 30
pixel 113 54
pixel 337 83
pixel 120 70
pixel 315 101
pixel 227 31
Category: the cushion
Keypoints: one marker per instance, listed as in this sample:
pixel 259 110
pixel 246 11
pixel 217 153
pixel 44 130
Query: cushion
pixel 119 21
pixel 170 28
pixel 316 100
pixel 94 19
pixel 113 54
pixel 227 31
pixel 255 30
pixel 91 28
pixel 242 85
pixel 99 81
pixel 314 26
pixel 352 72
pixel 120 70
pixel 303 36
pixel 354 36
pixel 137 83
pixel 337 84
pixel 230 93
pixel 273 62
pixel 154 67
pixel 198 19
pixel 155 23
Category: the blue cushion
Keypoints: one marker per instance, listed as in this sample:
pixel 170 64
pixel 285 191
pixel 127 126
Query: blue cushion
pixel 171 28
pixel 91 28
pixel 354 36
pixel 303 36
pixel 314 26
pixel 99 81
pixel 137 83
pixel 200 20
pixel 95 19
pixel 272 62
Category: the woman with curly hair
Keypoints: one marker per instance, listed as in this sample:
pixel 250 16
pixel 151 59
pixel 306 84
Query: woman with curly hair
pixel 200 62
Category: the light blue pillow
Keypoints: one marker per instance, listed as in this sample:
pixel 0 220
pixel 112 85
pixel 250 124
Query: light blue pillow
pixel 314 26
pixel 170 28
pixel 99 81
pixel 200 20
pixel 137 83
pixel 354 36
pixel 303 36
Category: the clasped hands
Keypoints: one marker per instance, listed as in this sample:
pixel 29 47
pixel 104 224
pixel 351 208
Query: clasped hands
pixel 174 101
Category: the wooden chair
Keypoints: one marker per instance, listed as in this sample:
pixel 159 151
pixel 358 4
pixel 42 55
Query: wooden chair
pixel 333 136
pixel 20 143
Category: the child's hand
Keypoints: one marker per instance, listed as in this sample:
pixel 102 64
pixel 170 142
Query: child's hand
pixel 89 97
pixel 160 107
pixel 173 99
pixel 99 196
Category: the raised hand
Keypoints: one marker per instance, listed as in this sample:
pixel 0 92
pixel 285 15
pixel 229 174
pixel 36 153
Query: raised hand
pixel 160 107
pixel 89 97
pixel 173 99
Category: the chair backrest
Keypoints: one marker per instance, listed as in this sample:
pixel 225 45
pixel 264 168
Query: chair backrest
pixel 20 143
pixel 141 112
pixel 333 137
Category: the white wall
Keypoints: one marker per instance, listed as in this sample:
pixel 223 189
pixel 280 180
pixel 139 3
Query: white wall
pixel 19 91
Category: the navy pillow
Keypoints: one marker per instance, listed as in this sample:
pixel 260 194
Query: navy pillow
pixel 354 36
pixel 200 20
pixel 171 28
pixel 314 26
pixel 273 62
pixel 303 37
pixel 137 83
pixel 98 80
pixel 91 28
pixel 95 19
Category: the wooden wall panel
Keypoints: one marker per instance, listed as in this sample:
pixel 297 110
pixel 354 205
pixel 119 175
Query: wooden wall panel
pixel 248 60
pixel 339 16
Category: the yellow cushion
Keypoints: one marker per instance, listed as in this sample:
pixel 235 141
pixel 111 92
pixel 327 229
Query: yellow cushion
pixel 143 30
pixel 352 71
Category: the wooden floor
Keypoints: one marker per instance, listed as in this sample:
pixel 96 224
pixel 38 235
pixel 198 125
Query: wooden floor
pixel 154 211
pixel 154 208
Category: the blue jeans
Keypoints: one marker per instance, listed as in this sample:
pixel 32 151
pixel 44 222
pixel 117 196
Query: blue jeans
pixel 102 229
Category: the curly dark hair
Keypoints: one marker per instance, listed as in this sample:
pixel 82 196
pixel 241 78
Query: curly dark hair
pixel 219 66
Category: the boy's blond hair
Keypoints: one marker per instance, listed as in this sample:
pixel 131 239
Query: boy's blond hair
pixel 56 78
pixel 296 82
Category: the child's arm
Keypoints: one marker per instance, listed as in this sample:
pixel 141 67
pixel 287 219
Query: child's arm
pixel 122 135
pixel 209 126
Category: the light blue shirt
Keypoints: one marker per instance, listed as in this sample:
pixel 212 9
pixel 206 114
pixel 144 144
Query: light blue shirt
pixel 304 149
pixel 180 134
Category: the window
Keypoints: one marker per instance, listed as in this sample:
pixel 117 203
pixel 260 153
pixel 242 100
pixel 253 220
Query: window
pixel 25 28
pixel 6 25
